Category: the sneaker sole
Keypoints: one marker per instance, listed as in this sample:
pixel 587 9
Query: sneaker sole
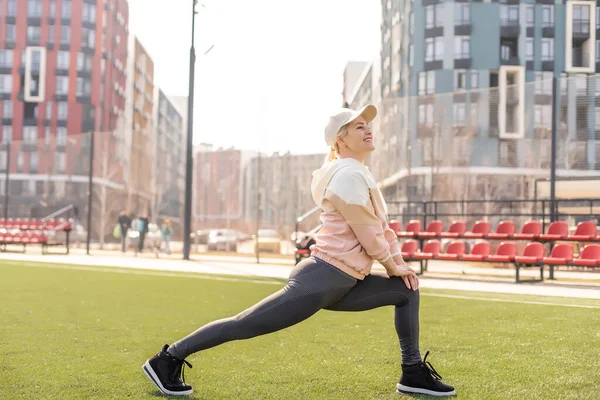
pixel 154 378
pixel 407 389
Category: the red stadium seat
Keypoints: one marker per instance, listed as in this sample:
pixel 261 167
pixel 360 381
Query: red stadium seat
pixel 457 229
pixel 2 222
pixel 10 223
pixel 480 230
pixel 431 249
pixel 531 230
pixel 396 226
pixel 589 257
pixel 556 231
pixel 533 254
pixel 39 224
pixel 561 254
pixel 455 250
pixel 506 252
pixel 505 230
pixel 412 229
pixel 409 248
pixel 434 229
pixel 585 231
pixel 479 252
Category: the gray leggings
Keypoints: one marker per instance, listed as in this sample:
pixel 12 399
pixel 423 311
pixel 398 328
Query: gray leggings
pixel 314 285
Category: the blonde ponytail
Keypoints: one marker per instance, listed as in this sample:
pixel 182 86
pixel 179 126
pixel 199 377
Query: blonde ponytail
pixel 331 156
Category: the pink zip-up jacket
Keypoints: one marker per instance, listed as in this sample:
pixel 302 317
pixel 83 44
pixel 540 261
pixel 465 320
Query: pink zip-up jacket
pixel 355 230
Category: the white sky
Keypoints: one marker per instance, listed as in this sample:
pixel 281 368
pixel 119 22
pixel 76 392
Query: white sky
pixel 275 72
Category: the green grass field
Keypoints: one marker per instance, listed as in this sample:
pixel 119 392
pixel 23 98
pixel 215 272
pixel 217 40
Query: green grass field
pixel 83 333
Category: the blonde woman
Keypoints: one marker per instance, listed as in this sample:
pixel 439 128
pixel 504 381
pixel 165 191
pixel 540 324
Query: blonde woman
pixel 337 276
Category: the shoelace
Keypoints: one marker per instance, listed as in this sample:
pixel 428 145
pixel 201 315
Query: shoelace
pixel 430 368
pixel 180 368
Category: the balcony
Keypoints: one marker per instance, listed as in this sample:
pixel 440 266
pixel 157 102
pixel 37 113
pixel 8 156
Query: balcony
pixel 548 31
pixel 462 28
pixel 510 29
pixel 512 60
pixel 581 30
pixel 462 62
pixel 547 65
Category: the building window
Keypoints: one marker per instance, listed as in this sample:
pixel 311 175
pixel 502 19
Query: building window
pixel 411 54
pixel 425 114
pixel 543 82
pixel 6 134
pixel 6 58
pixel 11 33
pixel 529 19
pixel 30 134
pixel 547 49
pixel 434 49
pixel 89 13
pixel 434 16
pixel 543 116
pixel 459 112
pixel 20 162
pixel 83 87
pixel 581 19
pixel 509 15
pixel 462 47
pixel 65 9
pixel 474 79
pixel 12 8
pixel 65 34
pixel 87 38
pixel 460 80
pixel 33 34
pixel 34 8
pixel 7 109
pixel 462 14
pixel 34 161
pixel 62 110
pixel 473 113
pixel 49 110
pixel 548 16
pixel 62 85
pixel 51 34
pixel 62 60
pixel 529 49
pixel 59 162
pixel 52 8
pixel 61 136
pixel 5 83
pixel 597 117
pixel 426 82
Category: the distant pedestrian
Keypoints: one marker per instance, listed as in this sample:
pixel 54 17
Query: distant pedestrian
pixel 142 228
pixel 167 235
pixel 124 223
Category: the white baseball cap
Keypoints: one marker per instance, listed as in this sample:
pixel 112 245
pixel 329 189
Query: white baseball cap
pixel 344 116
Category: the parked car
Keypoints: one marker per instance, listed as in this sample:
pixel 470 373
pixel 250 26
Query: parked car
pixel 200 236
pixel 223 239
pixel 268 240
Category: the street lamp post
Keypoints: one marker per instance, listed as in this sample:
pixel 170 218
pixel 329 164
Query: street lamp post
pixel 7 178
pixel 189 162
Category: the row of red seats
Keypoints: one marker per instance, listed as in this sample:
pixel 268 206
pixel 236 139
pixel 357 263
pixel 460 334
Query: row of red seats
pixel 532 230
pixel 23 238
pixel 534 253
pixel 26 224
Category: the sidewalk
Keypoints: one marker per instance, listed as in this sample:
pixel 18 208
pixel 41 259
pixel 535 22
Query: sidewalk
pixel 438 276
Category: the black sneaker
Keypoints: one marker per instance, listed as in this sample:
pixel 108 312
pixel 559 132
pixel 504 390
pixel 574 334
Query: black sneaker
pixel 423 378
pixel 165 371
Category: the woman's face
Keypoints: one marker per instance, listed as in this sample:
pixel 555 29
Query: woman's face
pixel 358 142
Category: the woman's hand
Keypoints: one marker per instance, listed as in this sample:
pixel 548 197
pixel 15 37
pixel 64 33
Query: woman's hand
pixel 407 274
